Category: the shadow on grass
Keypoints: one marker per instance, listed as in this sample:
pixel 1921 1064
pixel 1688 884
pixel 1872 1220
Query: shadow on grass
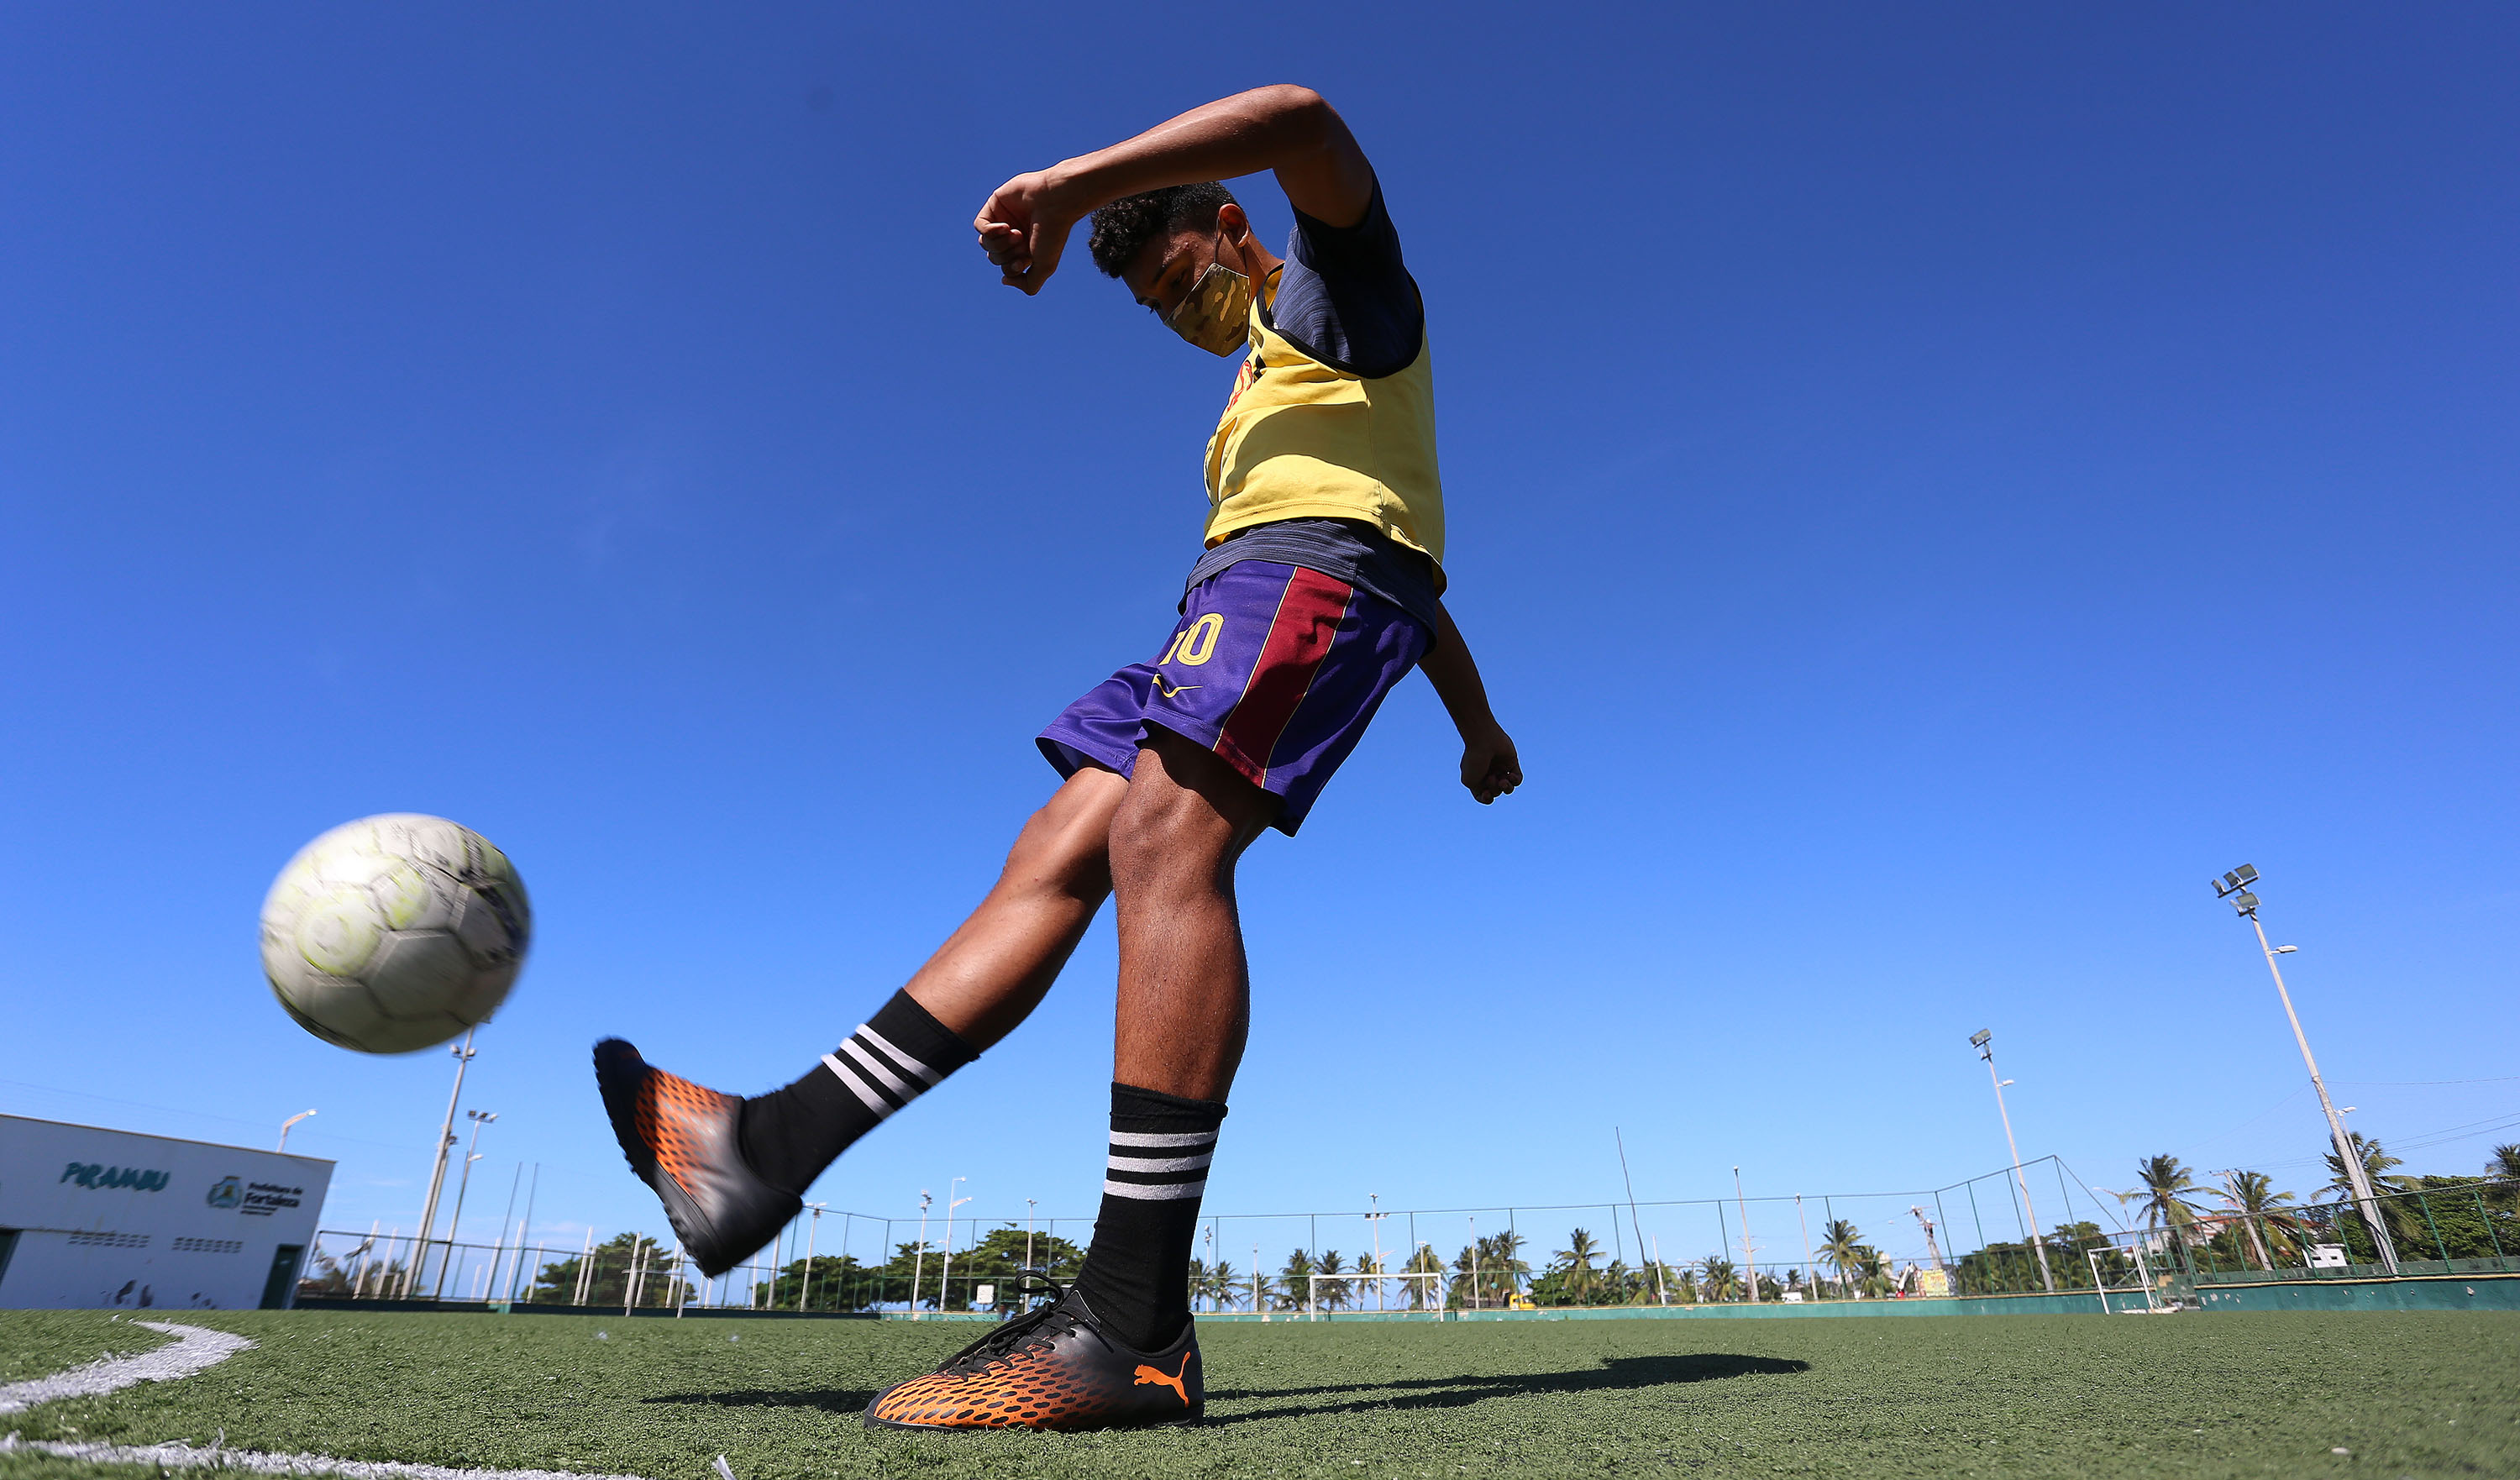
pixel 1614 1374
pixel 835 1400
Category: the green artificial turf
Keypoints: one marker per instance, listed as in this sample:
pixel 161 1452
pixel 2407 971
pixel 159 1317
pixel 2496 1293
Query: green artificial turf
pixel 2406 1394
pixel 40 1343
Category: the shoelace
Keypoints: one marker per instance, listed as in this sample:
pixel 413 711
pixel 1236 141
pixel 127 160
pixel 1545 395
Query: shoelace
pixel 1027 1333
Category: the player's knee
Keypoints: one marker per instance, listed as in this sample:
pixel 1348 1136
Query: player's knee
pixel 1171 840
pixel 1061 853
pixel 1065 848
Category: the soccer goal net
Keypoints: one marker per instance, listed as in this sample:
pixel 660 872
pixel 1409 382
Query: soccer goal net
pixel 1388 1295
pixel 2125 1279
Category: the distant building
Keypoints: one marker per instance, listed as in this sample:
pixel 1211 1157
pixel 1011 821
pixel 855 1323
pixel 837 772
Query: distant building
pixel 92 1218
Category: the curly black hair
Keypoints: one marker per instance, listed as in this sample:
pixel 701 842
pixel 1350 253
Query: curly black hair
pixel 1123 228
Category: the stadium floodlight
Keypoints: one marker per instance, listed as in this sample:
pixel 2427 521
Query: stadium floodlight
pixel 2357 1175
pixel 918 1260
pixel 1749 1250
pixel 1983 1040
pixel 944 1290
pixel 805 1285
pixel 284 1129
pixel 463 1184
pixel 463 1052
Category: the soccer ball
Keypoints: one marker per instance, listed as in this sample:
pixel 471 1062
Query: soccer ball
pixel 394 933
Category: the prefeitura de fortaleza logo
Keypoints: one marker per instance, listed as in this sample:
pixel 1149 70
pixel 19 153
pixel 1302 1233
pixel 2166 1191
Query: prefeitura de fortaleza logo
pixel 226 1193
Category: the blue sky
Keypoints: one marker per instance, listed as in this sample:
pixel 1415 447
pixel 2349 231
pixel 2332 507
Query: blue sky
pixel 1929 490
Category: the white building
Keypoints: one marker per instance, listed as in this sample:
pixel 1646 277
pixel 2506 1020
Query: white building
pixel 91 1216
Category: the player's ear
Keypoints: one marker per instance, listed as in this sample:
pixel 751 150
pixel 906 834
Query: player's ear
pixel 1230 220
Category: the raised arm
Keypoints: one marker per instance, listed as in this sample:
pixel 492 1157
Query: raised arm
pixel 1288 129
pixel 1490 768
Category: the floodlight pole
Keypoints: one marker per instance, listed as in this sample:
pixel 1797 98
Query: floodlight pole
pixel 944 1291
pixel 1750 1254
pixel 805 1286
pixel 462 1184
pixel 919 1258
pixel 284 1129
pixel 1985 1042
pixel 438 1177
pixel 1634 1226
pixel 2234 887
pixel 1809 1270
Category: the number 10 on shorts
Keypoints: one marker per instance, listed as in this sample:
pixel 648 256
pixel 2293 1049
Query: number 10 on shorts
pixel 1195 643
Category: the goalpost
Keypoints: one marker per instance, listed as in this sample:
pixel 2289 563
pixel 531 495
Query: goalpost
pixel 2146 1285
pixel 1431 1296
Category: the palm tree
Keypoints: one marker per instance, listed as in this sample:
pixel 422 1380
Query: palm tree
pixel 1222 1283
pixel 2504 1168
pixel 1295 1282
pixel 1872 1272
pixel 1501 1260
pixel 1574 1264
pixel 1334 1292
pixel 2252 1199
pixel 2165 1192
pixel 1717 1278
pixel 1368 1264
pixel 1486 1274
pixel 2375 1162
pixel 1424 1262
pixel 1197 1281
pixel 1839 1242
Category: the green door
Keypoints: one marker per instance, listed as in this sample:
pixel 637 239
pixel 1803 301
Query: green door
pixel 279 1289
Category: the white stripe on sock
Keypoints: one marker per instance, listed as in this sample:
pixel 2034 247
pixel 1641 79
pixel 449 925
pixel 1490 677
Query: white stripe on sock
pixel 875 1067
pixel 1120 1163
pixel 1161 1139
pixel 881 1106
pixel 905 1061
pixel 1154 1191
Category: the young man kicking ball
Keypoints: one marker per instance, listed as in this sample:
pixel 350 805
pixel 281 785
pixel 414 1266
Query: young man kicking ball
pixel 1317 591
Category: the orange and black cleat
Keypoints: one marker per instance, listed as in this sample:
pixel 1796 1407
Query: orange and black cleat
pixel 681 1140
pixel 1051 1370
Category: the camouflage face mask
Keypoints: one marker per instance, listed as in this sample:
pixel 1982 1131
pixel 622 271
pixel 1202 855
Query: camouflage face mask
pixel 1216 316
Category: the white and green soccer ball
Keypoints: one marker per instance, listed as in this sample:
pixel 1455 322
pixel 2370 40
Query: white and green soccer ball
pixel 394 933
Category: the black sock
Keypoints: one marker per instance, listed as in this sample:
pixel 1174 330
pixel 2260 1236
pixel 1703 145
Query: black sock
pixel 1136 1270
pixel 789 1135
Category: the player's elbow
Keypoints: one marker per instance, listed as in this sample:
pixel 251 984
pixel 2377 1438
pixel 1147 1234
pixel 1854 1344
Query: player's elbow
pixel 1298 109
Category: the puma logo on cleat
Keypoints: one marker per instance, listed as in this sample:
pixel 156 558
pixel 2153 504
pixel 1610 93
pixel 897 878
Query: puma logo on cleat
pixel 1147 1374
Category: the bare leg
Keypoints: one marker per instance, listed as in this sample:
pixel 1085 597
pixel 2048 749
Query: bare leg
pixel 1184 988
pixel 999 963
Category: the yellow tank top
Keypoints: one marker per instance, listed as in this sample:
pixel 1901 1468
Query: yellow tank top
pixel 1302 440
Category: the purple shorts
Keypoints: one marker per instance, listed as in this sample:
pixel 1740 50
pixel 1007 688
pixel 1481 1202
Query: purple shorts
pixel 1275 668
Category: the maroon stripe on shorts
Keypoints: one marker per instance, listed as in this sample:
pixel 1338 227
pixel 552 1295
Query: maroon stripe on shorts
pixel 1300 635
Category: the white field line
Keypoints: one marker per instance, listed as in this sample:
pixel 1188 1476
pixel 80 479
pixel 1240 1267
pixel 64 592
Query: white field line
pixel 185 1457
pixel 195 1347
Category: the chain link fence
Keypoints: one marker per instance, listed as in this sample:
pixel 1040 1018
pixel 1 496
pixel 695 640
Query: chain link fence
pixel 1991 1234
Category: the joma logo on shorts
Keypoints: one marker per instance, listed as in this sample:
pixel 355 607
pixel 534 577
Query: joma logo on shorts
pixel 97 1175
